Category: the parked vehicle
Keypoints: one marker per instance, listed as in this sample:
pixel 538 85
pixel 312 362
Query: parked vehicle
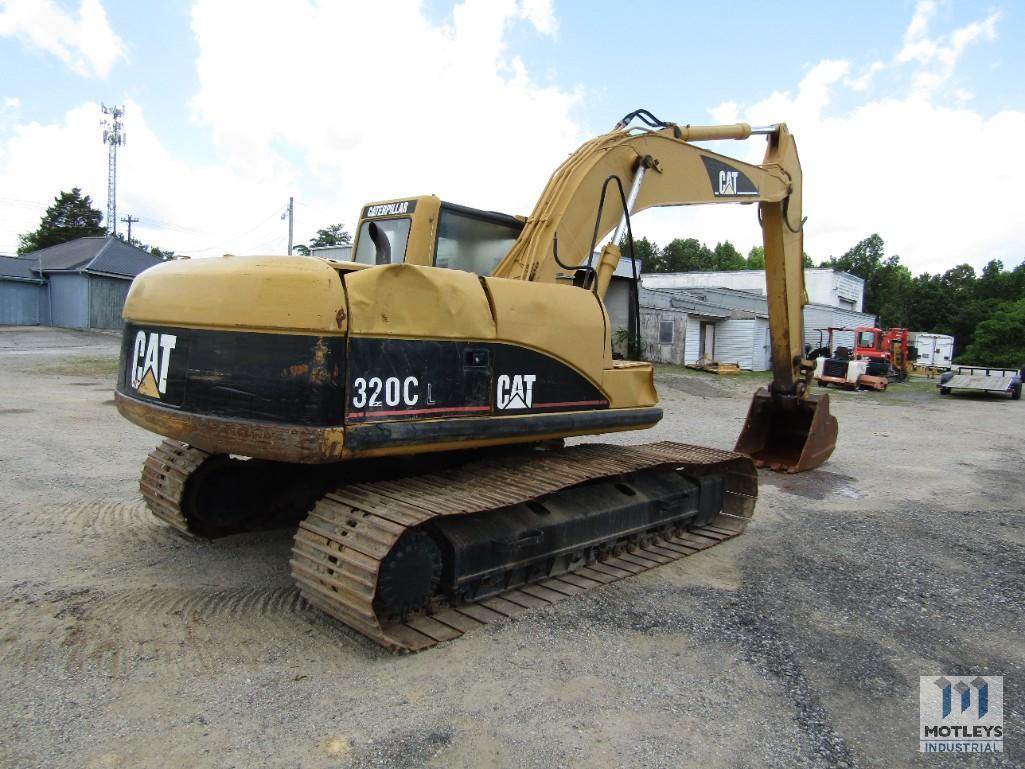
pixel 933 350
pixel 852 374
pixel 983 379
pixel 886 350
pixel 840 368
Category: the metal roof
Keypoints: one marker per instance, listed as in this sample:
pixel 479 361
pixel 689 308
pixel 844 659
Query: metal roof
pixel 680 300
pixel 731 298
pixel 16 268
pixel 99 255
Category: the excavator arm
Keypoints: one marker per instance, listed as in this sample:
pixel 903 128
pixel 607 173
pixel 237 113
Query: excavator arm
pixel 627 171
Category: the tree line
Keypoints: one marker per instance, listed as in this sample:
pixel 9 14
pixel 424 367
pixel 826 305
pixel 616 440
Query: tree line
pixel 691 255
pixel 984 312
pixel 72 216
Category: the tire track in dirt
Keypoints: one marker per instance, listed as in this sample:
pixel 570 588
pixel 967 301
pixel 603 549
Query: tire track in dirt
pixel 181 631
pixel 103 516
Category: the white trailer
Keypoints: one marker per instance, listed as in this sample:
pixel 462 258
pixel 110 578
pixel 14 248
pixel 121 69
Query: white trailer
pixel 934 350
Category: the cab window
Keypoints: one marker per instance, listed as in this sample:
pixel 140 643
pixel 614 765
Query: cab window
pixel 474 241
pixel 866 339
pixel 382 241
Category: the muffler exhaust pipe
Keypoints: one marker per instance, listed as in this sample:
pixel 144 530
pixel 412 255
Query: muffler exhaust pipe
pixel 788 433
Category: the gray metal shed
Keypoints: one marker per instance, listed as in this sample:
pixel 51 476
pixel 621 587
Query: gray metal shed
pixel 22 293
pixel 84 283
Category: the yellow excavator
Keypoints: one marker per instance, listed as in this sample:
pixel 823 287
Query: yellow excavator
pixel 408 408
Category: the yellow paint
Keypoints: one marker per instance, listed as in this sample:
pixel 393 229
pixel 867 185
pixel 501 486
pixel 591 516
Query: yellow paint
pixel 412 302
pixel 283 294
pixel 630 384
pixel 148 386
pixel 565 322
pixel 422 230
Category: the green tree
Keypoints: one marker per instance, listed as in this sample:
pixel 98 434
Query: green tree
pixel 688 255
pixel 332 235
pixel 755 258
pixel 1000 339
pixel 71 216
pixel 163 253
pixel 646 251
pixel 861 260
pixel 725 256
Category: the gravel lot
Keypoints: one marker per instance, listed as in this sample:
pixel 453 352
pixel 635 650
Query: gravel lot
pixel 799 644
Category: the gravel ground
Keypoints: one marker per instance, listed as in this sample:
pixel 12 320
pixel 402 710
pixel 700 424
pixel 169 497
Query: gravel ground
pixel 797 645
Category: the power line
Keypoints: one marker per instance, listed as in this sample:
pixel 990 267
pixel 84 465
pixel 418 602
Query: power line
pixel 24 203
pixel 236 237
pixel 316 209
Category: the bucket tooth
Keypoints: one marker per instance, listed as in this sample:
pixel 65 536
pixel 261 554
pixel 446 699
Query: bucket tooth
pixel 788 433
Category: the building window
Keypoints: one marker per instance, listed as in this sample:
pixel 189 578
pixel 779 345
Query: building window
pixel 665 332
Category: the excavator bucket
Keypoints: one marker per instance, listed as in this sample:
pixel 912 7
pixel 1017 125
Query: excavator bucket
pixel 788 433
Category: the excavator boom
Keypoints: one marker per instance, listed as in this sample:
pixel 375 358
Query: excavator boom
pixel 787 428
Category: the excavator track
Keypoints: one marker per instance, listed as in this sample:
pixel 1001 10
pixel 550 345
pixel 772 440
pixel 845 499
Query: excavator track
pixel 228 495
pixel 164 475
pixel 341 545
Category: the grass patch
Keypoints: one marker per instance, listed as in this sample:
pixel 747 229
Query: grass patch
pixel 100 368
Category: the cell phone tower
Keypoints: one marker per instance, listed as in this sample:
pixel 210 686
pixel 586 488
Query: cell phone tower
pixel 113 137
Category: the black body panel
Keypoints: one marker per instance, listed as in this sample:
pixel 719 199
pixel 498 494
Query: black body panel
pixel 408 379
pixel 285 378
pixel 388 391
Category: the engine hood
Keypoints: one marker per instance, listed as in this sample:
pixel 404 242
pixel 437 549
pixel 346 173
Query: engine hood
pixel 269 293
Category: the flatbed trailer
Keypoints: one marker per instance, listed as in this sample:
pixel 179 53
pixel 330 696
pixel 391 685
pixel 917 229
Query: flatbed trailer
pixel 982 379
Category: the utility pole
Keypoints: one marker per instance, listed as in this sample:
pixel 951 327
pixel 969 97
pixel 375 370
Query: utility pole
pixel 113 137
pixel 289 212
pixel 129 220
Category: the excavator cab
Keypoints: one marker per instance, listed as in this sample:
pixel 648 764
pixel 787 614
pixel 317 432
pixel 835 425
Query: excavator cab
pixel 429 232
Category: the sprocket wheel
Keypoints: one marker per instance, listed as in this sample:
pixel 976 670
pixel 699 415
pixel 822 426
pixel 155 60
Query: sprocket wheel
pixel 409 575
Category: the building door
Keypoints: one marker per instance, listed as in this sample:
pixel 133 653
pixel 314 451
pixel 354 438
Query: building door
pixel 706 348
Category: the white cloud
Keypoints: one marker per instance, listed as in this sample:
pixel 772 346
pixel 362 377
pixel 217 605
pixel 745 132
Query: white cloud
pixel 86 43
pixel 937 56
pixel 382 102
pixel 864 80
pixel 342 116
pixel 368 101
pixel 931 175
pixel 10 108
pixel 541 14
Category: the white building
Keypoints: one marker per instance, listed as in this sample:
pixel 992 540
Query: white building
pixel 689 317
pixel 340 253
pixel 824 286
